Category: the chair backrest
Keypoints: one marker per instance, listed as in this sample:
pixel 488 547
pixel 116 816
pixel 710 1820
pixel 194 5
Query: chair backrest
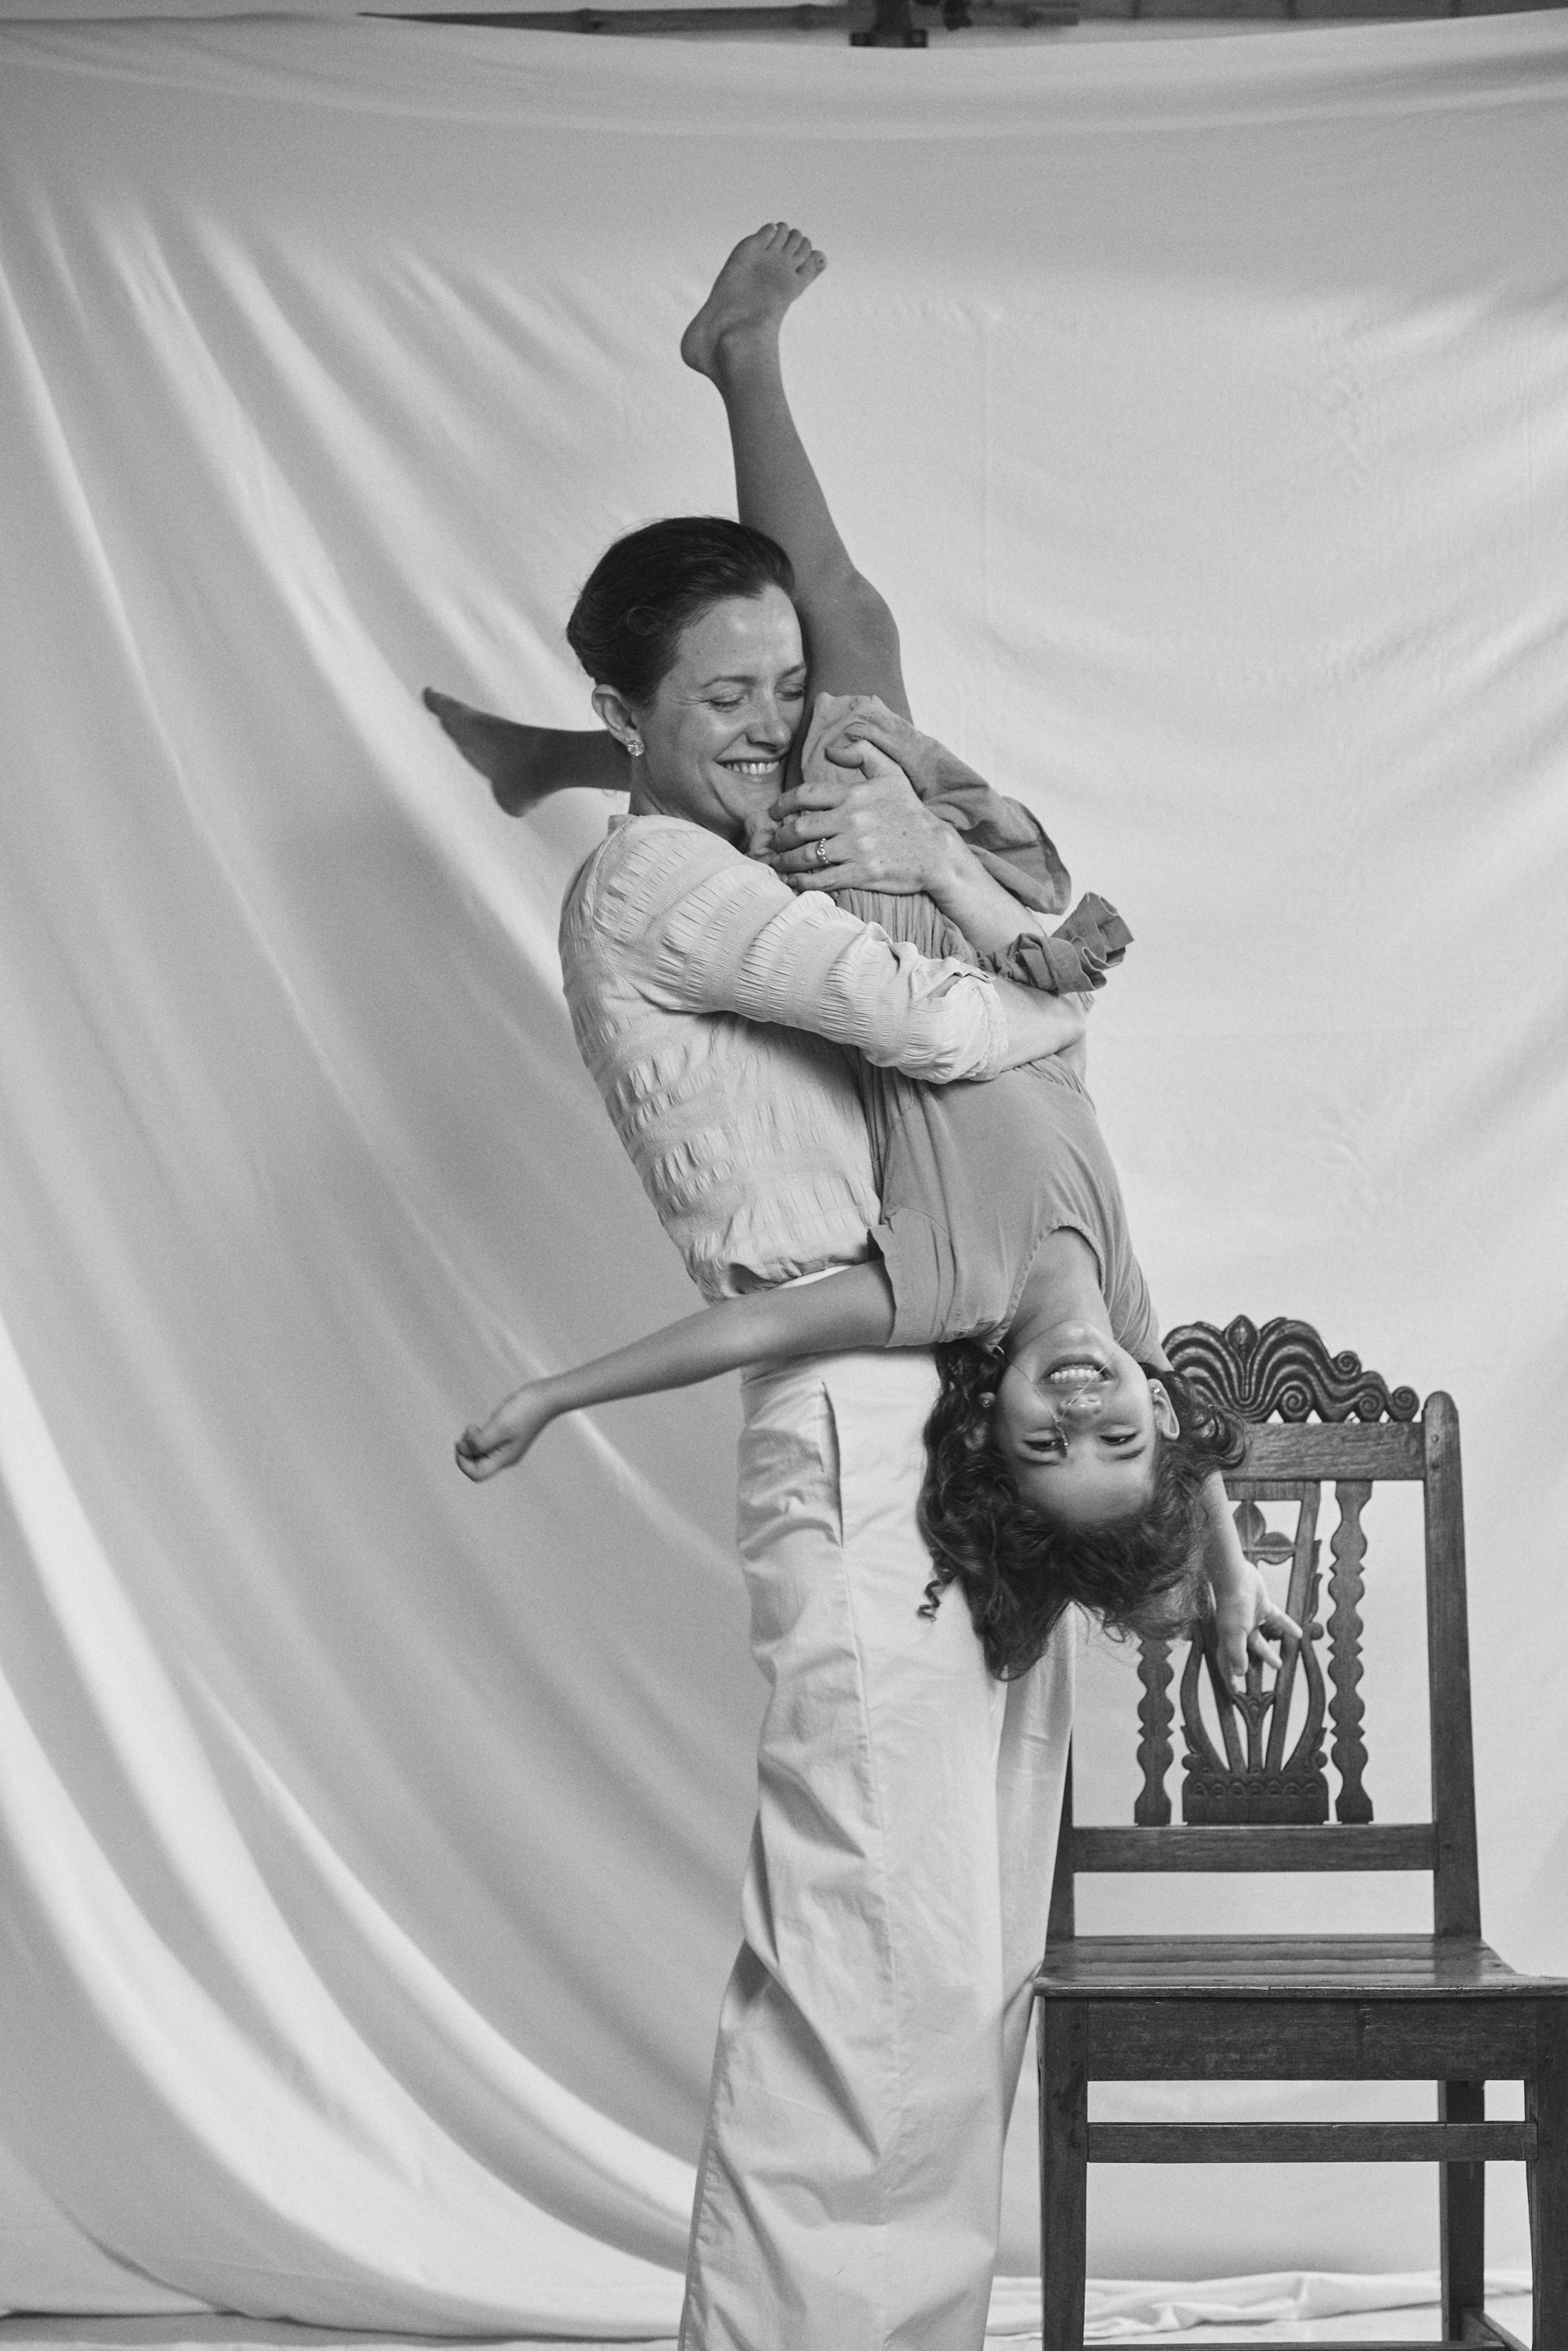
pixel 1315 1420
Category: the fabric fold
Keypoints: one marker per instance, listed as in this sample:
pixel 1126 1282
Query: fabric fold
pixel 1076 956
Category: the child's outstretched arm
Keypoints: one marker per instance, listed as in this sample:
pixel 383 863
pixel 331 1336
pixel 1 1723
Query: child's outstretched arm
pixel 1247 1623
pixel 842 1312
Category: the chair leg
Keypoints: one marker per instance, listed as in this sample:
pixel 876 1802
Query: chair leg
pixel 1064 2179
pixel 1462 2212
pixel 1546 2104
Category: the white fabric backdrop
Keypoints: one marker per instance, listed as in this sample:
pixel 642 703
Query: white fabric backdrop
pixel 370 1843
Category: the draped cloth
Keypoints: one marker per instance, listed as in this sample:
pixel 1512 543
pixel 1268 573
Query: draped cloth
pixel 370 1843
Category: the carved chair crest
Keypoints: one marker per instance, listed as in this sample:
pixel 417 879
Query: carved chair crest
pixel 1284 1371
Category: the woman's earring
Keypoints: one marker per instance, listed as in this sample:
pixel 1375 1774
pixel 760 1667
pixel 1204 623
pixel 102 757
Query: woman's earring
pixel 634 746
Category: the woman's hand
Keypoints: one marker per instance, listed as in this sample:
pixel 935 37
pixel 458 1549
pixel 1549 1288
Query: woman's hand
pixel 861 828
pixel 500 1442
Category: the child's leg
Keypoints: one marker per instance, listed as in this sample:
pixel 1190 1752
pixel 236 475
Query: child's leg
pixel 523 765
pixel 851 641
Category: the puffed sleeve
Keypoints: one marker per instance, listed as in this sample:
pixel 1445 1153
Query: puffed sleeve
pixel 935 1295
pixel 1135 1324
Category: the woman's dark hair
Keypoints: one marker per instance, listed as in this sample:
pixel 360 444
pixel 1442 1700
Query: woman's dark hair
pixel 1019 1571
pixel 625 627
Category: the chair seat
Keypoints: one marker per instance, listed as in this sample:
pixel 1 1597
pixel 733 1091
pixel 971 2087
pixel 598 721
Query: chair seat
pixel 1284 1967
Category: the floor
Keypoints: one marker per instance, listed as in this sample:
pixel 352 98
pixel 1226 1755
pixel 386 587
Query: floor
pixel 52 2334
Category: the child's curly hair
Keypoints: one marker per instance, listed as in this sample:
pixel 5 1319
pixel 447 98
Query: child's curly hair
pixel 1019 1572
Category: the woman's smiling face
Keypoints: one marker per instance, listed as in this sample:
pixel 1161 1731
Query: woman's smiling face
pixel 717 732
pixel 1079 1421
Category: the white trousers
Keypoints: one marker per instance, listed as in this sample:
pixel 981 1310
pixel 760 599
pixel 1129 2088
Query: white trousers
pixel 894 1906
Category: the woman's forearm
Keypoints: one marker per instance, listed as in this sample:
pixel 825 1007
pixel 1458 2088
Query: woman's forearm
pixel 990 916
pixel 1040 1026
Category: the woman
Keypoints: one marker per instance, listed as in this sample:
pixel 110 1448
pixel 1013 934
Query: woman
pixel 895 1900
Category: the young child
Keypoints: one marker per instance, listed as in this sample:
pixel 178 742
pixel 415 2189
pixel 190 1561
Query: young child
pixel 1065 1461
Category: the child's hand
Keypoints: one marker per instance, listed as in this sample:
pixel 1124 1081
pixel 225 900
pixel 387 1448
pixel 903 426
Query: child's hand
pixel 500 1442
pixel 928 763
pixel 1248 1625
pixel 758 837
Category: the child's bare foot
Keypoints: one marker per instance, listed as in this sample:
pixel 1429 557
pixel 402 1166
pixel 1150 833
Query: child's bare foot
pixel 523 765
pixel 764 273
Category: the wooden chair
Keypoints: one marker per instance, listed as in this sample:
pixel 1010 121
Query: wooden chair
pixel 1321 2008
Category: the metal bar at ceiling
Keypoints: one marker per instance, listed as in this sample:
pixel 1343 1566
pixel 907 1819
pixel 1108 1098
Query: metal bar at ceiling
pixel 909 24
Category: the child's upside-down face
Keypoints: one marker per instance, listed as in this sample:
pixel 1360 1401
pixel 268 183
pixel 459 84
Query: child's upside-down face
pixel 1079 1423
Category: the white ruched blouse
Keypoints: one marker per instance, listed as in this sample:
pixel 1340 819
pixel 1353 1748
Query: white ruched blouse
pixel 712 1006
